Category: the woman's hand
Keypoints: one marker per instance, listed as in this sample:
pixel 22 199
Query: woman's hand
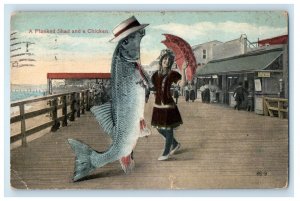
pixel 185 65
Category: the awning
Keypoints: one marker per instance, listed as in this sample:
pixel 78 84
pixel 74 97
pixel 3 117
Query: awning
pixel 243 63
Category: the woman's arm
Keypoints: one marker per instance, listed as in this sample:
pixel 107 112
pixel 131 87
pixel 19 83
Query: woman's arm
pixel 184 67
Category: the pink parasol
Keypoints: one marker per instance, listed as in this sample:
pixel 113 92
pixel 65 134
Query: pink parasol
pixel 183 52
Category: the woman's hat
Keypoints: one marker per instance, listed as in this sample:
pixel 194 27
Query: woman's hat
pixel 126 28
pixel 166 52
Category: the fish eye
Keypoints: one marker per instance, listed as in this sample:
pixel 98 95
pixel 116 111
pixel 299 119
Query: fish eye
pixel 142 32
pixel 125 42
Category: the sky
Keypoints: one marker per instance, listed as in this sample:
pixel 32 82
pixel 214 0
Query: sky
pixel 71 50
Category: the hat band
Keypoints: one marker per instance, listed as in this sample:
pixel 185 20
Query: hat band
pixel 131 25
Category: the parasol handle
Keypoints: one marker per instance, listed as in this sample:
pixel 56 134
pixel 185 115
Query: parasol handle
pixel 185 64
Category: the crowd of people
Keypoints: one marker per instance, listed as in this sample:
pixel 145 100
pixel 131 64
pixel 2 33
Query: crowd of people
pixel 101 92
pixel 190 92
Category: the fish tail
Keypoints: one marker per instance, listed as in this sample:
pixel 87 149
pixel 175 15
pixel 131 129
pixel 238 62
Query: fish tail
pixel 83 164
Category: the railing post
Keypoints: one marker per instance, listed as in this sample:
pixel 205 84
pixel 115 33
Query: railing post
pixel 23 125
pixel 92 98
pixel 54 116
pixel 87 100
pixel 65 111
pixel 73 102
pixel 265 108
pixel 82 102
pixel 78 104
pixel 280 107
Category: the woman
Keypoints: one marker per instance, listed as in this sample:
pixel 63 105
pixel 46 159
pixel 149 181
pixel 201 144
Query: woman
pixel 166 115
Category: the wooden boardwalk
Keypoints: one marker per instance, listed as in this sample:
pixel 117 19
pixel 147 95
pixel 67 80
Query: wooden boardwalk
pixel 221 148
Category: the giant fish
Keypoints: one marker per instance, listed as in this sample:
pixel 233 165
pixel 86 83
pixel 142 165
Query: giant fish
pixel 123 117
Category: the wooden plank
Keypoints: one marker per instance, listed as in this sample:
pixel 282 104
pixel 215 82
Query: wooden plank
pixel 23 125
pixel 15 119
pixel 39 128
pixel 276 99
pixel 270 111
pixel 31 114
pixel 273 108
pixel 277 109
pixel 15 138
pixel 60 107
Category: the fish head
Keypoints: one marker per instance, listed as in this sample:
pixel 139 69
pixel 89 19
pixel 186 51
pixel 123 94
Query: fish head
pixel 130 46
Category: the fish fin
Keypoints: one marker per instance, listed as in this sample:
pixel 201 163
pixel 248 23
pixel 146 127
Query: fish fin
pixel 103 114
pixel 127 163
pixel 83 164
pixel 144 130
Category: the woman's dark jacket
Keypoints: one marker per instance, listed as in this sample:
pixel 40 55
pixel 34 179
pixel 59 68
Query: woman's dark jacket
pixel 165 112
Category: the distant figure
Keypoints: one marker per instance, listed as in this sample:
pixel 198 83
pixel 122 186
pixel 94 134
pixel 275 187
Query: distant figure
pixel 97 94
pixel 147 94
pixel 205 93
pixel 187 93
pixel 239 95
pixel 192 93
pixel 176 93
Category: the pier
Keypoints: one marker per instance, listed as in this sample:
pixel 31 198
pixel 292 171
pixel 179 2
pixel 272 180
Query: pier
pixel 221 148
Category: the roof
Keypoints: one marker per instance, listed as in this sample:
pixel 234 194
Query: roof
pixel 246 63
pixel 274 41
pixel 204 44
pixel 78 75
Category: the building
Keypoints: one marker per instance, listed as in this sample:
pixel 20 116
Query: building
pixel 204 52
pixel 231 48
pixel 262 71
pixel 213 50
pixel 273 41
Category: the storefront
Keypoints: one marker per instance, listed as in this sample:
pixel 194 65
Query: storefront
pixel 260 72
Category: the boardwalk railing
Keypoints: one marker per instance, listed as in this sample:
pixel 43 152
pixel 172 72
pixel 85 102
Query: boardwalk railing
pixel 79 102
pixel 276 107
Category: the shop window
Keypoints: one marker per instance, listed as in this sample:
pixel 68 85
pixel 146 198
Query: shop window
pixel 204 54
pixel 220 82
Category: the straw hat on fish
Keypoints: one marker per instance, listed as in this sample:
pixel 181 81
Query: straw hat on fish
pixel 126 28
